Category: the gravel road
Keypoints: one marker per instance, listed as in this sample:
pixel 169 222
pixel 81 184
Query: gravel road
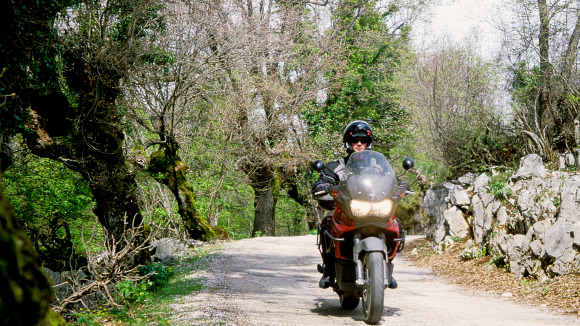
pixel 273 281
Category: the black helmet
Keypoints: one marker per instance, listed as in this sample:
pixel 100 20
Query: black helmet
pixel 357 129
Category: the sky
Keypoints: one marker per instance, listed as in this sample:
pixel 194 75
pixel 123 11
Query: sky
pixel 459 18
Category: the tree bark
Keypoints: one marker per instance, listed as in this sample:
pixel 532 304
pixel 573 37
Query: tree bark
pixel 167 168
pixel 88 139
pixel 544 113
pixel 266 191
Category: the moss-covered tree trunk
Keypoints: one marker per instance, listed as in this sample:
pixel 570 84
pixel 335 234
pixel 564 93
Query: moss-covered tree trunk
pixel 167 168
pixel 87 138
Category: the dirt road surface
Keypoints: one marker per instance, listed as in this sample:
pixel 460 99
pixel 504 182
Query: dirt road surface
pixel 273 281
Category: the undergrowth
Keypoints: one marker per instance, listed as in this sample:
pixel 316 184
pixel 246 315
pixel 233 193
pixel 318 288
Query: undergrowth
pixel 147 302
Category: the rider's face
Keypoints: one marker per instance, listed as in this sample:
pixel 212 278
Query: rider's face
pixel 359 144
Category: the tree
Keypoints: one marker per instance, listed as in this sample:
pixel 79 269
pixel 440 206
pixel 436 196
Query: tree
pixel 64 64
pixel 25 292
pixel 373 38
pixel 451 95
pixel 270 58
pixel 372 44
pixel 542 48
pixel 52 203
pixel 161 99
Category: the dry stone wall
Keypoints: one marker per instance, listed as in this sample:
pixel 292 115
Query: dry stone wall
pixel 529 223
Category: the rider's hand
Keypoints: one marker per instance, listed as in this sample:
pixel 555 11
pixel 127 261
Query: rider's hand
pixel 404 184
pixel 322 189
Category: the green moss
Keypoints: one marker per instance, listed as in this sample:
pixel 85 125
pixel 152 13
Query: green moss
pixel 53 319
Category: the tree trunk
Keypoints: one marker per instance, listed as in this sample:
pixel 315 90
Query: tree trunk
pixel 544 113
pixel 88 139
pixel 167 168
pixel 265 198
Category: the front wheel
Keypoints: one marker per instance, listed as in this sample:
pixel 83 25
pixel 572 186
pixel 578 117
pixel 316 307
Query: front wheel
pixel 374 288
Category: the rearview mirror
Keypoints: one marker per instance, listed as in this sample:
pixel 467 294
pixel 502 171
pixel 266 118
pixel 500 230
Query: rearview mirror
pixel 318 165
pixel 408 163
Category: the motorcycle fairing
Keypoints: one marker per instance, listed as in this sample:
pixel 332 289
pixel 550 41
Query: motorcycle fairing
pixel 368 176
pixel 342 227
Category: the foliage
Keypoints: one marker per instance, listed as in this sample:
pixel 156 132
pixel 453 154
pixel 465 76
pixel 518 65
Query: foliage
pixel 291 217
pixel 542 57
pixel 156 274
pixel 53 205
pixel 134 292
pixel 472 253
pixel 365 89
pixel 500 190
pixel 452 94
pixel 143 302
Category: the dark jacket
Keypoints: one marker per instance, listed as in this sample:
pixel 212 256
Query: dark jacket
pixel 330 175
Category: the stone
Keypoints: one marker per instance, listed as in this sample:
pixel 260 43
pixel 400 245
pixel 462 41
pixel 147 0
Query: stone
pixel 457 225
pixel 539 229
pixel 561 162
pixel 467 179
pixel 507 295
pixel 576 233
pixel 515 250
pixel 502 216
pixel 531 165
pixel 558 238
pixel 478 219
pixel 168 250
pixel 568 256
pixel 439 234
pixel 503 242
pixel 480 182
pixel 459 197
pixel 570 159
pixel 434 203
pixel 486 197
pixel 536 246
pixel 526 201
pixel 559 268
pixel 570 199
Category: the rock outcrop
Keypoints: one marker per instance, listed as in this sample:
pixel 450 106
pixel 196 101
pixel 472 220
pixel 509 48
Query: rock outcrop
pixel 529 223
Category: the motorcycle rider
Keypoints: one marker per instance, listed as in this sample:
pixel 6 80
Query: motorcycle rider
pixel 357 136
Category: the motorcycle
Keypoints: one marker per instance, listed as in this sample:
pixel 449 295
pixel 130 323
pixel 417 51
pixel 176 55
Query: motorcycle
pixel 365 235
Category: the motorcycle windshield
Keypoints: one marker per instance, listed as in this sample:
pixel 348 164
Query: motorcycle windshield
pixel 368 176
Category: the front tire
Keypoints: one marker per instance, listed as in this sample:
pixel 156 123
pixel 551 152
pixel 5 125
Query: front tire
pixel 374 288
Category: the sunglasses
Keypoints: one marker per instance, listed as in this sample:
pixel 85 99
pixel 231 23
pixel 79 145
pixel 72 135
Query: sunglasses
pixel 361 140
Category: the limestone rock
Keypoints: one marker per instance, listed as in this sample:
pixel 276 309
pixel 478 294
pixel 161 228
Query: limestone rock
pixel 457 225
pixel 530 166
pixel 558 238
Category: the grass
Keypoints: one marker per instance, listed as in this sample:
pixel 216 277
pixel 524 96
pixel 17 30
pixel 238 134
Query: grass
pixel 156 310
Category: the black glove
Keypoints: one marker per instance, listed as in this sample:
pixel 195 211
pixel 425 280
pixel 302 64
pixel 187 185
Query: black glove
pixel 322 187
pixel 404 184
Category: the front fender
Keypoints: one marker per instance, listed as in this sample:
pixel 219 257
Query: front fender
pixel 369 244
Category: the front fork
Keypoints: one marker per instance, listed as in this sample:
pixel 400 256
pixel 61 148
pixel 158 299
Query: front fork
pixel 368 245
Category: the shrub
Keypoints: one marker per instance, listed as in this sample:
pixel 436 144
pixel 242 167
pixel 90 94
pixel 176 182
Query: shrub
pixel 157 274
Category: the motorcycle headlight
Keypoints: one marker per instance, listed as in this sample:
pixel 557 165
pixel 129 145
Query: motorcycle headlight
pixel 360 208
pixel 383 208
pixel 364 208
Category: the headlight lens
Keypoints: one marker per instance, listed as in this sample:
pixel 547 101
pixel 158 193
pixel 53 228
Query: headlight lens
pixel 383 208
pixel 364 208
pixel 360 208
